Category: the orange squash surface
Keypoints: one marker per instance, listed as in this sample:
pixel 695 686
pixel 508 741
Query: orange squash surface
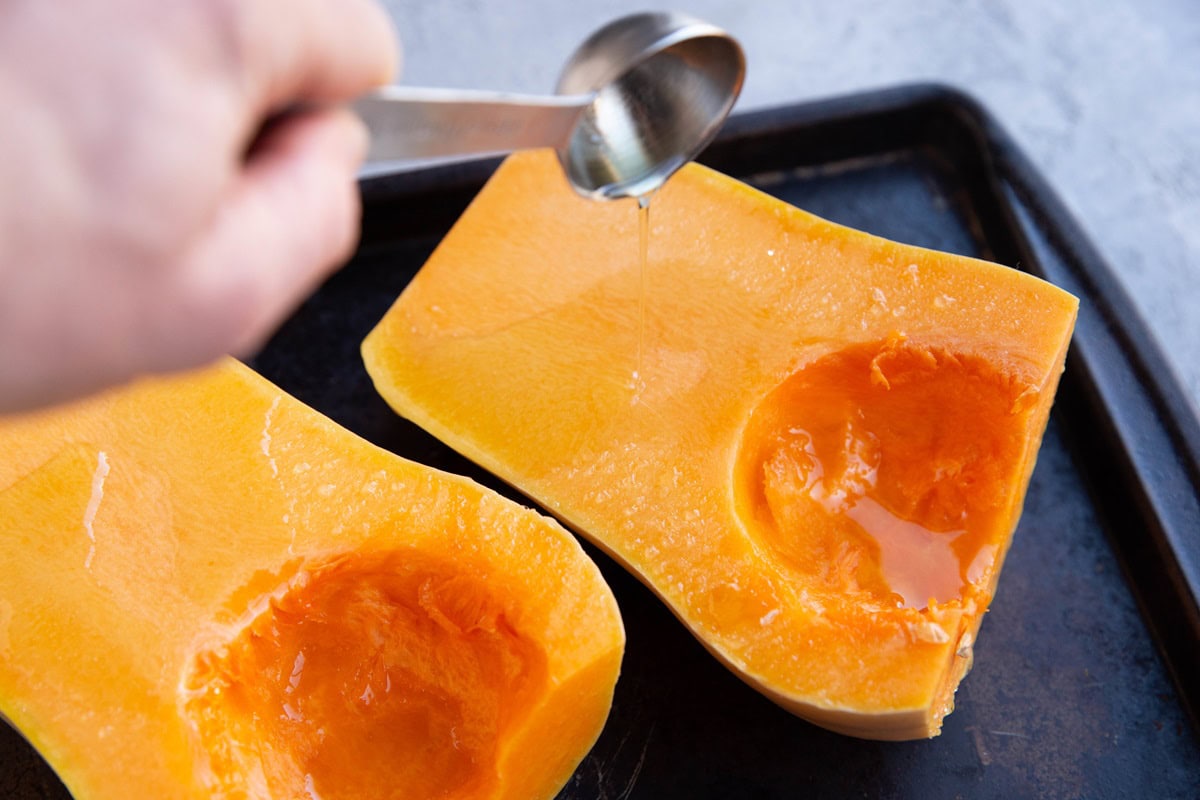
pixel 212 591
pixel 813 444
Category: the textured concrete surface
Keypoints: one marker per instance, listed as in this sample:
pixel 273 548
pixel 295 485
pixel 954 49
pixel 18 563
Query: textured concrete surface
pixel 1104 97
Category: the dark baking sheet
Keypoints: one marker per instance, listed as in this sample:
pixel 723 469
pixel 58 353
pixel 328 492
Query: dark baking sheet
pixel 1088 665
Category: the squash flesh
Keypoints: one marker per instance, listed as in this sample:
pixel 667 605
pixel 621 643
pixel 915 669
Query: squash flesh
pixel 174 547
pixel 517 344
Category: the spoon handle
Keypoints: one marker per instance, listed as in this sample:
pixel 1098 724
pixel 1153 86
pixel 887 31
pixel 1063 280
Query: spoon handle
pixel 407 122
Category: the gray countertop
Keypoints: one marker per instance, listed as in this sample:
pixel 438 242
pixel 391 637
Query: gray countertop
pixel 1103 97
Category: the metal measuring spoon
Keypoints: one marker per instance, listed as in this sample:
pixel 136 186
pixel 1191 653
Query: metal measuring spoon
pixel 639 99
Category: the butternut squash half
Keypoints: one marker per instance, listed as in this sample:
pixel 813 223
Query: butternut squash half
pixel 812 443
pixel 212 591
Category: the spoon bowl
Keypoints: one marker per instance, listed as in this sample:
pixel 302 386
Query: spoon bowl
pixel 638 99
pixel 662 84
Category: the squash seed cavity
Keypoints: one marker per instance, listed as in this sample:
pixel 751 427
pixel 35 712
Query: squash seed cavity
pixel 387 675
pixel 879 473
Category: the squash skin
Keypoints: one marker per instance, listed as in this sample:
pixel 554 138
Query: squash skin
pixel 146 527
pixel 517 344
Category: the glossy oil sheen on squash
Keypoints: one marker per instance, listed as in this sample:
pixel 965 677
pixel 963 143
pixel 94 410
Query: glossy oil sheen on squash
pixel 825 458
pixel 213 591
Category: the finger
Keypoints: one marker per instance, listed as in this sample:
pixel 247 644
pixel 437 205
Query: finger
pixel 290 218
pixel 305 52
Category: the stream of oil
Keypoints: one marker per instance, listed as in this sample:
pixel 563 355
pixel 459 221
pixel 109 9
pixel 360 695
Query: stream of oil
pixel 643 256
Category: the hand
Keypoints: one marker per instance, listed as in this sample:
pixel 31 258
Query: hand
pixel 145 224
